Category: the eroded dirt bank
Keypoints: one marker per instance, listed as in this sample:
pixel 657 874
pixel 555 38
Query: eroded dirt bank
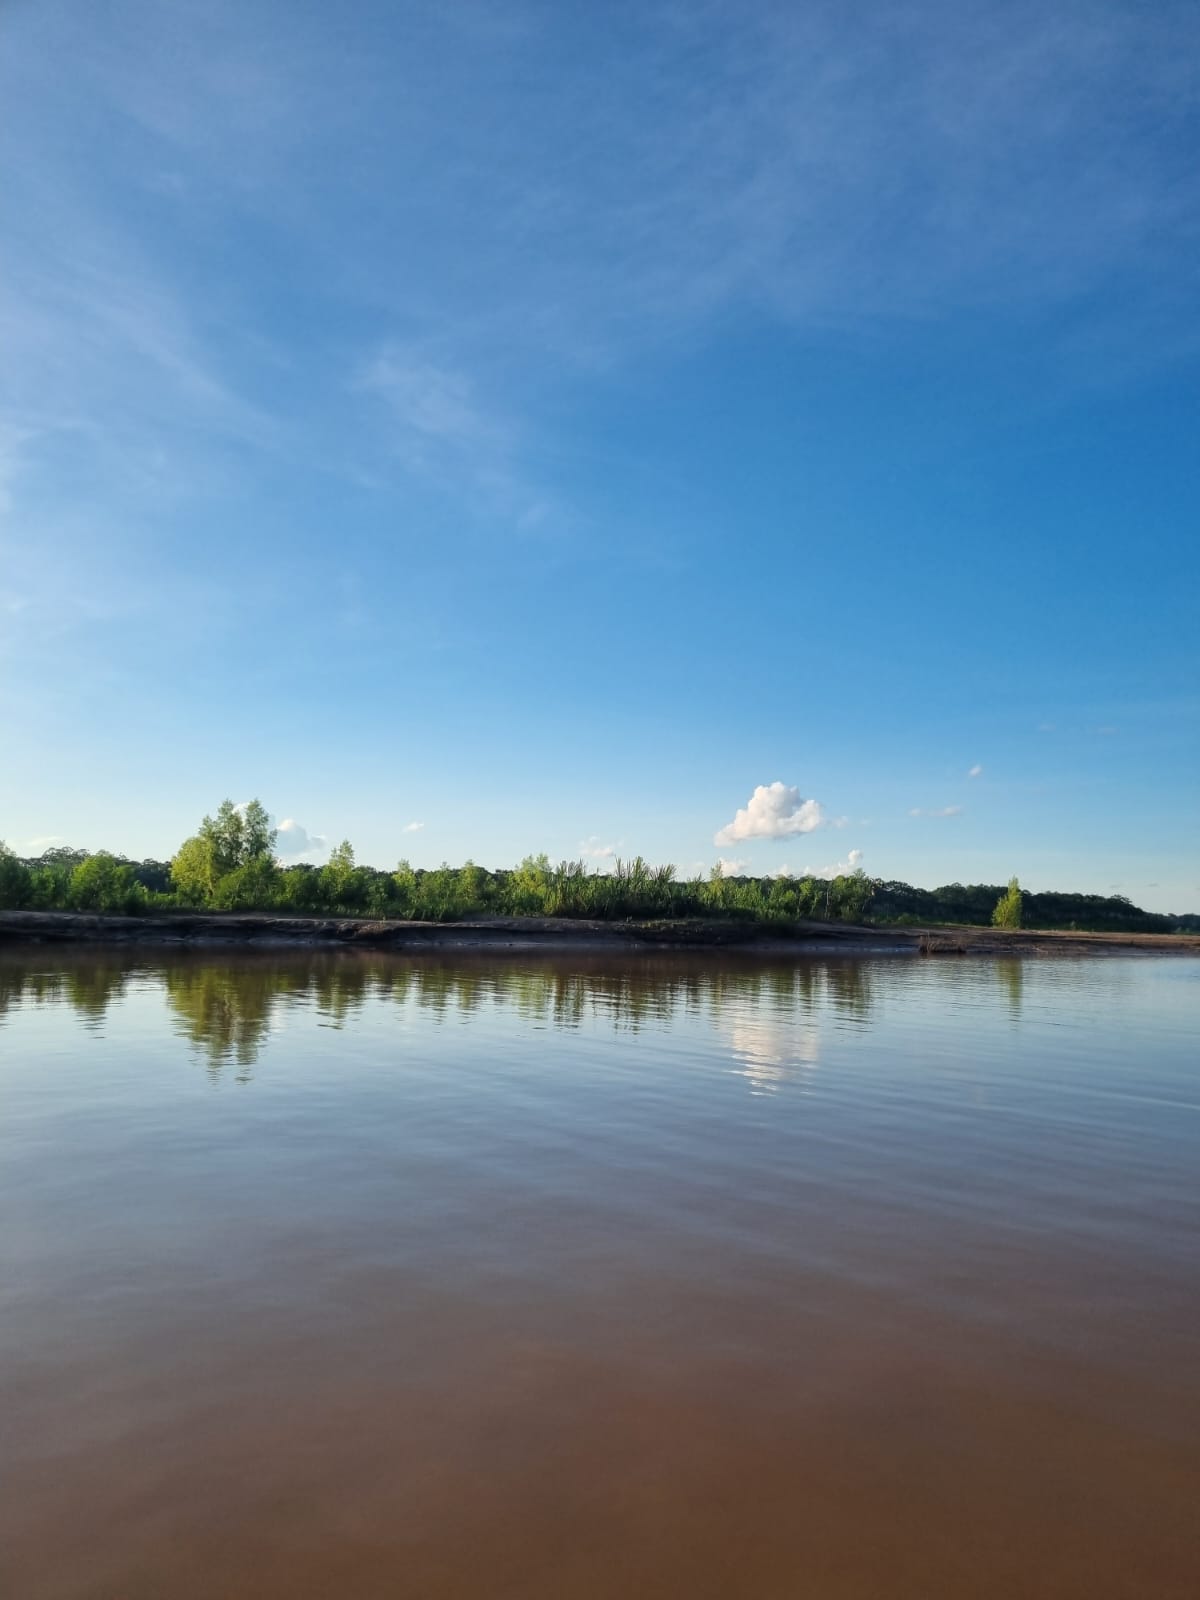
pixel 549 933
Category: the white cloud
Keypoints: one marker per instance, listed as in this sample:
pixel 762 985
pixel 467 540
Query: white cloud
pixel 936 811
pixel 591 847
pixel 293 840
pixel 774 811
pixel 731 869
pixel 412 827
pixel 836 869
pixel 976 771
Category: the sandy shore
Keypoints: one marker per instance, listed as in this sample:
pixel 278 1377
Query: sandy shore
pixel 557 934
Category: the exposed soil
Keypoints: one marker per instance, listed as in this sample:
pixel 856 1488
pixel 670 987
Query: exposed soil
pixel 551 933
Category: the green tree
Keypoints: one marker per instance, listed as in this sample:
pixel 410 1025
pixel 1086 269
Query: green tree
pixel 851 894
pixel 238 834
pixel 16 881
pixel 194 870
pixel 1008 908
pixel 528 887
pixel 341 884
pixel 258 836
pixel 404 889
pixel 102 883
pixel 379 893
pixel 299 889
pixel 249 887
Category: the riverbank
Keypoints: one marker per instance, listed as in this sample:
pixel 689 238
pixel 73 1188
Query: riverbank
pixel 262 929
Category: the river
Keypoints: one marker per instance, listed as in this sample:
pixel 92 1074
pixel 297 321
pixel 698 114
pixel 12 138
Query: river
pixel 541 1279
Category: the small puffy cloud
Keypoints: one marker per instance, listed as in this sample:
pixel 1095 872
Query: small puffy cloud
pixel 731 869
pixel 412 827
pixel 976 771
pixel 292 839
pixel 936 811
pixel 774 811
pixel 595 850
pixel 835 869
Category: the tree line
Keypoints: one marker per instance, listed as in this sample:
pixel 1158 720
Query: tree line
pixel 229 864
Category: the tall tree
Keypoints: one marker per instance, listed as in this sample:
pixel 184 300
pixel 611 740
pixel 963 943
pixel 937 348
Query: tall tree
pixel 1008 908
pixel 238 835
pixel 258 836
pixel 337 875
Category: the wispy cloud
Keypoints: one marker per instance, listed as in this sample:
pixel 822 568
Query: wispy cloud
pixel 435 409
pixel 716 157
pixel 944 156
pixel 773 811
pixel 936 811
pixel 34 847
pixel 412 827
pixel 591 848
pixel 13 440
pixel 441 427
pixel 976 771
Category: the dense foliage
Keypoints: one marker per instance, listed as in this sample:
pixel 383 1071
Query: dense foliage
pixel 975 903
pixel 229 864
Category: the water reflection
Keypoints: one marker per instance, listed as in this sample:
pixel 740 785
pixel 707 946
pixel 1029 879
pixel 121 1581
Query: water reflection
pixel 87 981
pixel 528 1256
pixel 224 1010
pixel 769 1052
pixel 1010 975
pixel 227 1006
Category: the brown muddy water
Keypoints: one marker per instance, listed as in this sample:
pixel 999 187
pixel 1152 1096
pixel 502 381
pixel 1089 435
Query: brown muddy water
pixel 364 1276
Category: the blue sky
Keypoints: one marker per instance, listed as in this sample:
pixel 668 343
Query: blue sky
pixel 550 424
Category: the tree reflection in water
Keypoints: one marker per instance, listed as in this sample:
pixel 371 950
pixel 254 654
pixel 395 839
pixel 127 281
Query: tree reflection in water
pixel 87 981
pixel 1010 975
pixel 226 1005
